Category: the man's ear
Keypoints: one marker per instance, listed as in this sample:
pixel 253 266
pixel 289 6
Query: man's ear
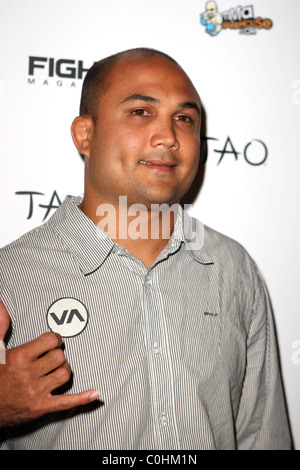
pixel 82 132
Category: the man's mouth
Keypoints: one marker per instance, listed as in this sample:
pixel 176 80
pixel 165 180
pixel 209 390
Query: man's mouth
pixel 159 166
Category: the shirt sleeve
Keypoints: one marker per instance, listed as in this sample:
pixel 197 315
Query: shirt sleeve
pixel 262 421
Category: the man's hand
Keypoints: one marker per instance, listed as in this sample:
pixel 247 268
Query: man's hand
pixel 32 371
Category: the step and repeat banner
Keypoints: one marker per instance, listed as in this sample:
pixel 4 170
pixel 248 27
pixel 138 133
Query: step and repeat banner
pixel 242 58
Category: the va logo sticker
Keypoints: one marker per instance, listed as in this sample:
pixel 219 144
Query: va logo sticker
pixel 67 317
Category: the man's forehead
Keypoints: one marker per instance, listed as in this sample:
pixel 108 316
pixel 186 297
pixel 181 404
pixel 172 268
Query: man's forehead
pixel 135 64
pixel 132 57
pixel 141 71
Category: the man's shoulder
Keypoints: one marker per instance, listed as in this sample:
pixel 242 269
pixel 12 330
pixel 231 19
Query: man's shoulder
pixel 37 238
pixel 224 249
pixel 215 240
pixel 231 258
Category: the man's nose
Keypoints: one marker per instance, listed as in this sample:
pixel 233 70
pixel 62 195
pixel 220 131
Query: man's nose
pixel 164 135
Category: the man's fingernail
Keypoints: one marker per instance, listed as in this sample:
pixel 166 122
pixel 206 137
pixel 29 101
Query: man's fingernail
pixel 94 395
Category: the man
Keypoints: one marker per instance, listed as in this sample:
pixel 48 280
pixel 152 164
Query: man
pixel 173 327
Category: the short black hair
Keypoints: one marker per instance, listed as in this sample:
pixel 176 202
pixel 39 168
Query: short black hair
pixel 96 80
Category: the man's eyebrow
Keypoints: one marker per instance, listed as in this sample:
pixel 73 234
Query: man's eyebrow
pixel 139 97
pixel 151 99
pixel 190 105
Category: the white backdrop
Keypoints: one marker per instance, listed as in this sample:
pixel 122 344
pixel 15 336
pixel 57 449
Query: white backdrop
pixel 249 82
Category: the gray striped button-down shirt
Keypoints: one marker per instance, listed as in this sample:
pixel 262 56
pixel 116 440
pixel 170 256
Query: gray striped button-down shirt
pixel 183 354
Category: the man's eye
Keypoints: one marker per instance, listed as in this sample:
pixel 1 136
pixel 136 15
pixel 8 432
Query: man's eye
pixel 184 118
pixel 140 112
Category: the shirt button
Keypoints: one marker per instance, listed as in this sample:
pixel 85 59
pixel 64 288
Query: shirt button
pixel 156 349
pixel 148 282
pixel 164 419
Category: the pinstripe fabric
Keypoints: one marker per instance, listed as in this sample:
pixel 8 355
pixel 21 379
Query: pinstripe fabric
pixel 184 354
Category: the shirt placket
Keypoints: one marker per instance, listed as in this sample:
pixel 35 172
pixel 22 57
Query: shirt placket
pixel 159 363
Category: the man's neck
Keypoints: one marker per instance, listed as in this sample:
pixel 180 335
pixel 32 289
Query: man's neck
pixel 144 232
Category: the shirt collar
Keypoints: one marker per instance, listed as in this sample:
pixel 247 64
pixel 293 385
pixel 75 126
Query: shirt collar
pixel 90 246
pixel 192 233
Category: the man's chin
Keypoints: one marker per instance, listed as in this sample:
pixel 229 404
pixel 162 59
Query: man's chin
pixel 158 200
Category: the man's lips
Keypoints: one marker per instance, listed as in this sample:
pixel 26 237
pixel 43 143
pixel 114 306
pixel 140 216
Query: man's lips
pixel 158 165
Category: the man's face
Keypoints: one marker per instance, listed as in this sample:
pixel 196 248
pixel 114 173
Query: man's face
pixel 145 142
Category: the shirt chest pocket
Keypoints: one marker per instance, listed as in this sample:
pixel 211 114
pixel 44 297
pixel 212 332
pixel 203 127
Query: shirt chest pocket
pixel 201 341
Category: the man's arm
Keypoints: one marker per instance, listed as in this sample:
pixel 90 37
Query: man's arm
pixel 262 421
pixel 30 373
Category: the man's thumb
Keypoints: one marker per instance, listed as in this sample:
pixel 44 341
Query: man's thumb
pixel 4 321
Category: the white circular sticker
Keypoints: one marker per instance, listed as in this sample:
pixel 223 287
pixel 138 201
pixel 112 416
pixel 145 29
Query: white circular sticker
pixel 67 317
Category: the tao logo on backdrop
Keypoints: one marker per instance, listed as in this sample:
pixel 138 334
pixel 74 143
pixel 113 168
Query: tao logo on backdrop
pixel 47 70
pixel 240 18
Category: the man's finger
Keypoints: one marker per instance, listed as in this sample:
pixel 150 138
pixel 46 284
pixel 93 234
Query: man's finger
pixel 39 346
pixel 55 379
pixel 49 362
pixel 66 402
